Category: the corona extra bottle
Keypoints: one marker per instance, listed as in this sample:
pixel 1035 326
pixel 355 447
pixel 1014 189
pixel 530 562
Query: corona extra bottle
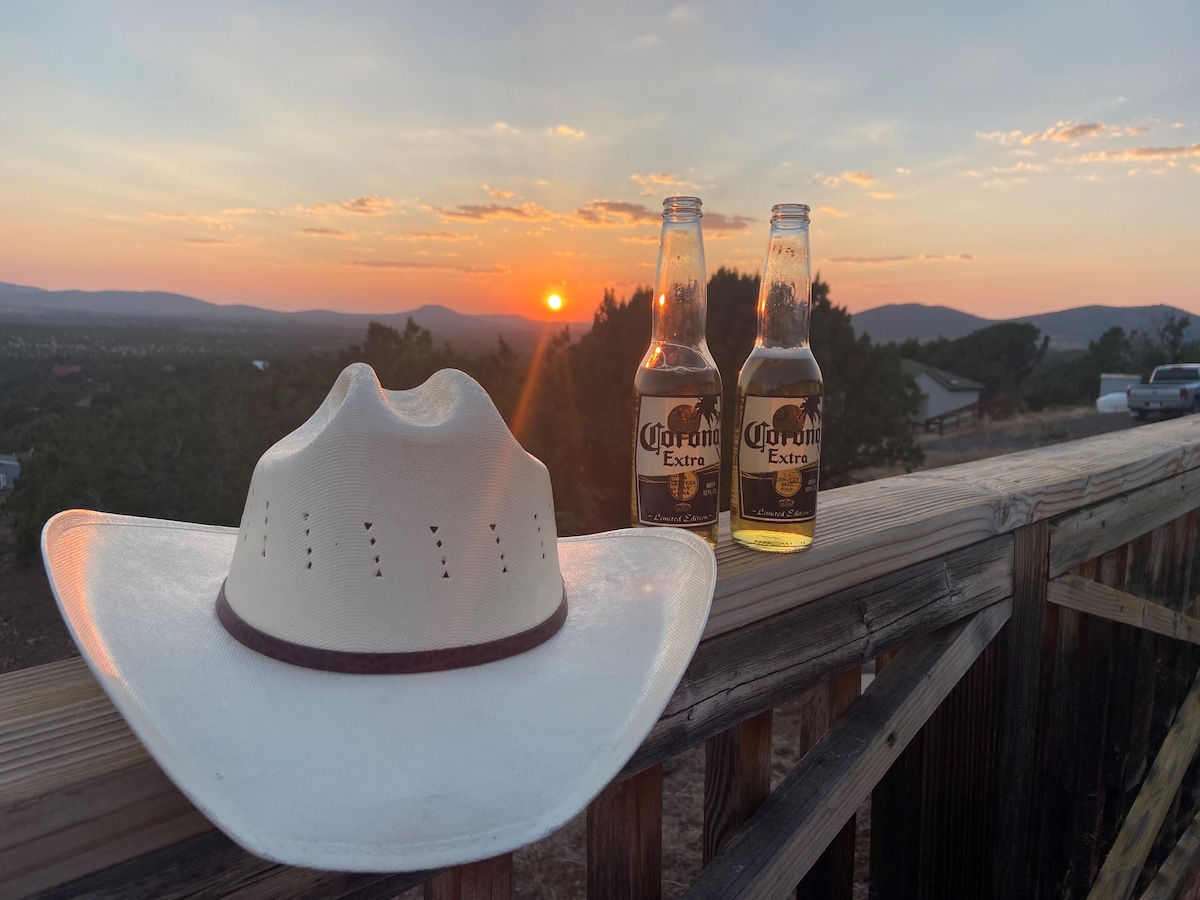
pixel 777 444
pixel 677 389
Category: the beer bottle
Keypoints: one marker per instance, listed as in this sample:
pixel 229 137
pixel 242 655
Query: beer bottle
pixel 677 389
pixel 777 444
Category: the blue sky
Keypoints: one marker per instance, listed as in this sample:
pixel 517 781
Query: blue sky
pixel 999 159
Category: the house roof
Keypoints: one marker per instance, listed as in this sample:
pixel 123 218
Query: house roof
pixel 948 380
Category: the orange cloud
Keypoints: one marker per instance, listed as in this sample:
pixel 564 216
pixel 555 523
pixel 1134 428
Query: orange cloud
pixel 862 179
pixel 568 131
pixel 526 212
pixel 330 233
pixel 498 194
pixel 388 264
pixel 643 239
pixel 360 206
pixel 1134 154
pixel 613 214
pixel 882 195
pixel 209 241
pixel 836 213
pixel 206 221
pixel 448 236
pixel 715 222
pixel 922 257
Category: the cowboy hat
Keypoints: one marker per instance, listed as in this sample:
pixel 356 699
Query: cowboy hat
pixel 393 663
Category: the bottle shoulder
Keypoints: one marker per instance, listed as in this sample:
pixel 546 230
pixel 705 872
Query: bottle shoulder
pixel 781 371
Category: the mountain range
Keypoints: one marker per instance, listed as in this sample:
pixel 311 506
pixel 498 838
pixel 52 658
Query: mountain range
pixel 1068 329
pixel 32 304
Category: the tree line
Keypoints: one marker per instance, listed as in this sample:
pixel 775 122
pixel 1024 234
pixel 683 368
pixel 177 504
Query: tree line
pixel 178 439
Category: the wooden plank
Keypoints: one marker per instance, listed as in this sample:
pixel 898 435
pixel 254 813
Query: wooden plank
pixel 737 778
pixel 1115 605
pixel 211 866
pixel 756 668
pixel 797 822
pixel 1085 534
pixel 832 875
pixel 624 840
pixel 489 879
pixel 1179 875
pixel 1124 863
pixel 870 529
pixel 1021 641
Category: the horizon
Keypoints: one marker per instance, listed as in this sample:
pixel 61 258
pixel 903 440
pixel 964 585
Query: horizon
pixel 484 159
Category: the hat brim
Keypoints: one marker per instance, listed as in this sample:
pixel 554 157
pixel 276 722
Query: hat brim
pixel 379 773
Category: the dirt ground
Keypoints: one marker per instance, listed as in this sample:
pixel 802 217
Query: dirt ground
pixel 32 633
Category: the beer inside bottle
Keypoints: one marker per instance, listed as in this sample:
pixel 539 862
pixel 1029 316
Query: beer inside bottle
pixel 677 389
pixel 777 445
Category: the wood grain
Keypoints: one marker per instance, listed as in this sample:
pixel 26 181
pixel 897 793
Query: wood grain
pixel 1179 874
pixel 1124 862
pixel 624 840
pixel 489 879
pixel 790 830
pixel 1115 605
pixel 737 778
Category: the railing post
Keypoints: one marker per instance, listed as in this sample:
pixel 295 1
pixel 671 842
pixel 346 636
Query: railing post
pixel 488 879
pixel 624 839
pixel 737 778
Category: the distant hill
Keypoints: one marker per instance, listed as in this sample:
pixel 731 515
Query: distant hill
pixel 472 332
pixel 1068 329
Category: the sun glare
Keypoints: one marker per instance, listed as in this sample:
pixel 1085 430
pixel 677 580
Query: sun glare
pixel 555 302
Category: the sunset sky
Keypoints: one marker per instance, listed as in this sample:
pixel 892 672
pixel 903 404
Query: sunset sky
pixel 1004 159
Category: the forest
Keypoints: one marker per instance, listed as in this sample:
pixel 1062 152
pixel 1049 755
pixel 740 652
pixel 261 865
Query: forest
pixel 176 435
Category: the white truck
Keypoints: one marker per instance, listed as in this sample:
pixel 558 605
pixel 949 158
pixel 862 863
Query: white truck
pixel 1172 389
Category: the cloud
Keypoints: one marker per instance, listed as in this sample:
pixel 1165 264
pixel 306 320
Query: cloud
pixel 641 239
pixel 862 179
pixel 330 233
pixel 1003 182
pixel 652 182
pixel 1062 133
pixel 568 131
pixel 1019 167
pixel 681 14
pixel 447 236
pixel 1135 130
pixel 209 241
pixel 1136 154
pixel 972 173
pixel 498 194
pixel 641 43
pixel 900 170
pixel 825 180
pixel 922 257
pixel 206 221
pixel 715 222
pixel 1177 125
pixel 360 206
pixel 241 211
pixel 526 212
pixel 836 213
pixel 613 214
pixel 445 267
pixel 882 195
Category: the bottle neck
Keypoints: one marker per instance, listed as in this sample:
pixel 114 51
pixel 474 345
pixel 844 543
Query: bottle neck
pixel 785 295
pixel 680 301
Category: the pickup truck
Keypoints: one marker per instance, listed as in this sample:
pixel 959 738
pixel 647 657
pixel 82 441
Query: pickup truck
pixel 1174 388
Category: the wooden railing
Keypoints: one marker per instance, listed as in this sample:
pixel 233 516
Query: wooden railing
pixel 1031 730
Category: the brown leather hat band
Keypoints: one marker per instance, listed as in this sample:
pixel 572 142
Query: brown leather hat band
pixel 386 663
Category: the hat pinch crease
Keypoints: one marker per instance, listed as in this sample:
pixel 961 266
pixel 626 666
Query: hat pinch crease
pixel 397 663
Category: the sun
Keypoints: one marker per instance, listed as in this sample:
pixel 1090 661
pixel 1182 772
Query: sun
pixel 555 302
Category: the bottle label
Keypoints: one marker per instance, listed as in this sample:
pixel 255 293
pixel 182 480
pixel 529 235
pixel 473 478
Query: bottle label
pixel 779 457
pixel 677 456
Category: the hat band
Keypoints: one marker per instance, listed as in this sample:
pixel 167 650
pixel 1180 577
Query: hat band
pixel 401 663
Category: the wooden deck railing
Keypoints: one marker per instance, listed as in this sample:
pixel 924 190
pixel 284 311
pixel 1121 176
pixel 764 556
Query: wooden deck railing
pixel 1031 731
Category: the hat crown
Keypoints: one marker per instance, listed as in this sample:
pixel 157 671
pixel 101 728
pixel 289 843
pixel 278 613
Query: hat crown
pixel 397 522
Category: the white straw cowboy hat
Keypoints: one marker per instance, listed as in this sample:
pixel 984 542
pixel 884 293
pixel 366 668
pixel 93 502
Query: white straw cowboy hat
pixel 397 532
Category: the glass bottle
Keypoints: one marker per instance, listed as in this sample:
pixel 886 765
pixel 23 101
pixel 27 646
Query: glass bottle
pixel 677 389
pixel 777 444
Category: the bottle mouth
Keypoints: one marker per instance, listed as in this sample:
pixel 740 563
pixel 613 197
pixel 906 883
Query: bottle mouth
pixel 682 208
pixel 789 212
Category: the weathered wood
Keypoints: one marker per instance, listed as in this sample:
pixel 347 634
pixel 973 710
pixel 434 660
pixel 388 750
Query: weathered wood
pixel 790 830
pixel 1179 875
pixel 211 866
pixel 756 668
pixel 869 529
pixel 737 778
pixel 1021 642
pixel 832 875
pixel 488 879
pixel 1124 862
pixel 1085 534
pixel 624 839
pixel 1109 603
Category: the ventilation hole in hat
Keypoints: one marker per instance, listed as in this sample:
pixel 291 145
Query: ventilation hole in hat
pixel 497 540
pixel 443 560
pixel 433 528
pixel 505 569
pixel 439 543
pixel 372 542
pixel 305 516
pixel 502 556
pixel 535 517
pixel 493 527
pixel 377 559
pixel 445 574
pixel 268 504
pixel 265 520
pixel 310 565
pixel 368 525
pixel 378 574
pixel 306 530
